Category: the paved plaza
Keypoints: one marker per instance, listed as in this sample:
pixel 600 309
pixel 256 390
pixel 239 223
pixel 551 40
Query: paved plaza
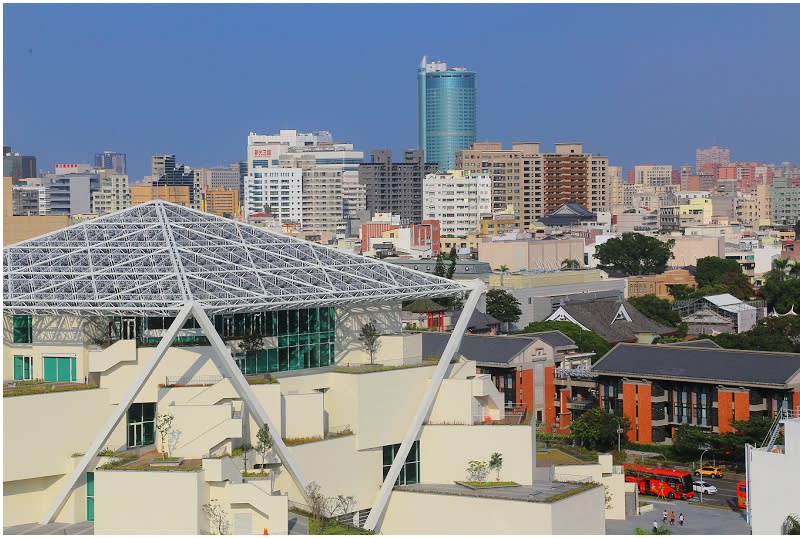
pixel 698 520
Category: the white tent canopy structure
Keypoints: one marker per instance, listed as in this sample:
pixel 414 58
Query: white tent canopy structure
pixel 161 259
pixel 153 258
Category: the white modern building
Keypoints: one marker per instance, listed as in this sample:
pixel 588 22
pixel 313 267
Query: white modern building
pixel 278 189
pixel 457 200
pixel 114 323
pixel 772 472
pixel 324 167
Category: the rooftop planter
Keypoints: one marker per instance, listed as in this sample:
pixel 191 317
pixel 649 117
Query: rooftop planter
pixel 28 388
pixel 487 485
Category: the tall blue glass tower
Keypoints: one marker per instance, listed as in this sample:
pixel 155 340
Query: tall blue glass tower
pixel 446 112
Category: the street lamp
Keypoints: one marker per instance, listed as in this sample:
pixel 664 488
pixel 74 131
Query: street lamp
pixel 619 433
pixel 701 474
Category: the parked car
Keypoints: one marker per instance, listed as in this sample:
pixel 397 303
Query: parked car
pixel 713 472
pixel 703 487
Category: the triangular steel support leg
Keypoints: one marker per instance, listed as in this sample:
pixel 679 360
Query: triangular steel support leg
pixel 425 406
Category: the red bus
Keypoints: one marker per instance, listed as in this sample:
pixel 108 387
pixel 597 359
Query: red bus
pixel 741 494
pixel 660 482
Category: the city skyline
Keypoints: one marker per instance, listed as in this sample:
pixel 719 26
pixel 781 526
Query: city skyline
pixel 654 83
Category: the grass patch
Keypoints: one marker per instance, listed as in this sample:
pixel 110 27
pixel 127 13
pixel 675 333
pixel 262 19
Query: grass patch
pixel 555 456
pixel 332 526
pixel 31 389
pixel 265 379
pixel 254 474
pixel 585 486
pixel 344 433
pixel 294 441
pixel 487 485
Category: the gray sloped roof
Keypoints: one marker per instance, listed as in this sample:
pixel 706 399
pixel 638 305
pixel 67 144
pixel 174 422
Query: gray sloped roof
pixel 557 339
pixel 478 348
pixel 704 342
pixel 153 258
pixel 478 320
pixel 704 364
pixel 598 315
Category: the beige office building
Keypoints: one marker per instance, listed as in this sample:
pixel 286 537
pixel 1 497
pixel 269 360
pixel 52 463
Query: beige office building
pixel 176 194
pixel 536 183
pixel 222 202
pixel 530 254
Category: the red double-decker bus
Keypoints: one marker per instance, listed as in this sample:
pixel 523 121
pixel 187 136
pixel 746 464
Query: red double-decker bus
pixel 741 494
pixel 660 482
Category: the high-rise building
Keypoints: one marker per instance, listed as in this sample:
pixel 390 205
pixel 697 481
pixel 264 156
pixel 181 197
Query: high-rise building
pixel 457 200
pixel 447 112
pixel 712 156
pixel 653 175
pixel 71 194
pixel 167 173
pixel 274 164
pixel 18 166
pixel 30 200
pixel 395 188
pixel 785 202
pixel 111 160
pixel 114 194
pixel 536 184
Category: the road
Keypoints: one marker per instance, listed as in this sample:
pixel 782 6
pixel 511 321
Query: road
pixel 726 494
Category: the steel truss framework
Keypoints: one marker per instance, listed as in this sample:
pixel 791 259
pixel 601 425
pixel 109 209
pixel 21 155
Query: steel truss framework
pixel 153 258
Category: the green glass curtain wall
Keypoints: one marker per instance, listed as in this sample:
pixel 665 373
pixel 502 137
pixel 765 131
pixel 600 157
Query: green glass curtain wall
pixel 22 329
pixel 59 369
pixel 23 368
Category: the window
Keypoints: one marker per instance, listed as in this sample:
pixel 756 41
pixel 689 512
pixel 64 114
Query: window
pixel 141 424
pixel 23 368
pixel 409 473
pixel 23 333
pixel 59 369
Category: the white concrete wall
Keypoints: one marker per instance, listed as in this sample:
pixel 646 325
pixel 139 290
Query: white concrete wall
pixel 147 502
pixel 446 450
pixel 339 467
pixel 773 481
pixel 420 513
pixel 197 429
pixel 601 473
pixel 303 415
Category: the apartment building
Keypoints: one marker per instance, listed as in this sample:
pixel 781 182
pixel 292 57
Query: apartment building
pixel 222 202
pixel 395 187
pixel 213 178
pixel 537 183
pixel 653 175
pixel 458 200
pixel 785 201
pixel 114 194
pixel 714 155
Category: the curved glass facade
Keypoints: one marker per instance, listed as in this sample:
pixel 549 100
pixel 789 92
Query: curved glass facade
pixel 447 114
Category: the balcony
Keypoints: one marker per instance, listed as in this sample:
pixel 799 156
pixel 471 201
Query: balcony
pixel 581 404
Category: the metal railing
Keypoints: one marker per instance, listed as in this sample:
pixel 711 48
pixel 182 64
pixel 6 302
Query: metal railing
pixel 581 404
pixel 201 380
pixel 575 373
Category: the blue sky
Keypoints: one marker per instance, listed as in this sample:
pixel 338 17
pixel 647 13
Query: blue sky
pixel 639 83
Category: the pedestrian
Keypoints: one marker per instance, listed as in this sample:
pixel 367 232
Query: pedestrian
pixel 655 527
pixel 680 519
pixel 665 515
pixel 672 519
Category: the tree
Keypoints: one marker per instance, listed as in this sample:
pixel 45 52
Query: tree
pixel 252 342
pixel 496 463
pixel 163 426
pixel 791 525
pixel 451 269
pixel 477 471
pixel 503 270
pixel 587 341
pixel 439 269
pixel 688 440
pixel 570 263
pixel 502 305
pixel 680 292
pixel 711 268
pixel 782 290
pixel 597 430
pixel 369 339
pixel 769 334
pixel 738 285
pixel 635 254
pixel 217 517
pixel 317 503
pixel 263 443
pixel 659 310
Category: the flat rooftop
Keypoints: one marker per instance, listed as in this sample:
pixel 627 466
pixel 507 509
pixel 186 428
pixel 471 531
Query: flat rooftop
pixel 540 492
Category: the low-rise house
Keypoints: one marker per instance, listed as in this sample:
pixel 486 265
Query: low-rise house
pixel 613 320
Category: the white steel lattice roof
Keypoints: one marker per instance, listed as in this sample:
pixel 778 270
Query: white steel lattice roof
pixel 153 258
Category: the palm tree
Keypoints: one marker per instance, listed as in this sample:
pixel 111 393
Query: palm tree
pixel 791 525
pixel 794 269
pixel 780 265
pixel 503 270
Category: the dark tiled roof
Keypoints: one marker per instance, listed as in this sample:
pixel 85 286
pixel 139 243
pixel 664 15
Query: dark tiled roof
pixel 597 316
pixel 705 342
pixel 557 339
pixel 479 321
pixel 479 348
pixel 713 365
